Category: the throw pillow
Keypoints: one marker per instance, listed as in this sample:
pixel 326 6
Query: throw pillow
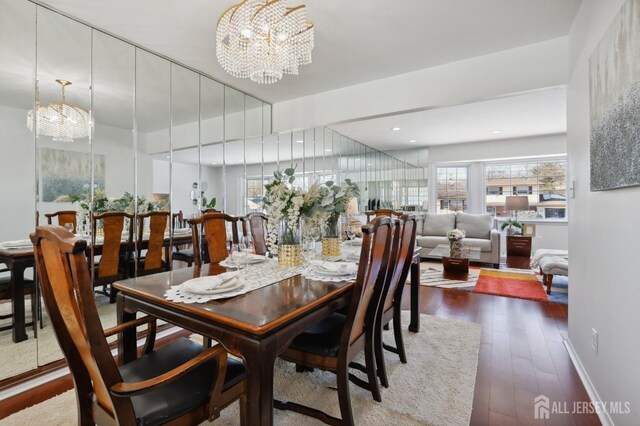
pixel 475 225
pixel 438 224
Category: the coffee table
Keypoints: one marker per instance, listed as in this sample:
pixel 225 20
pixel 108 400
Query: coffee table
pixel 455 268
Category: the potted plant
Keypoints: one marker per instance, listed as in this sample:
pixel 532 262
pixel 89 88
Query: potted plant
pixel 511 224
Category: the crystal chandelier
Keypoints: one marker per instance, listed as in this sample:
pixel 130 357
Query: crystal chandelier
pixel 62 121
pixel 262 40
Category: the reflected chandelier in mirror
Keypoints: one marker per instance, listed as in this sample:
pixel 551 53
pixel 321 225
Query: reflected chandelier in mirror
pixel 63 122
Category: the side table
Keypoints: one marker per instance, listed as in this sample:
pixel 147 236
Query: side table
pixel 518 252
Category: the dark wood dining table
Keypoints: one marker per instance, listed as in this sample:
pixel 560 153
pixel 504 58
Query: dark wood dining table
pixel 18 260
pixel 256 326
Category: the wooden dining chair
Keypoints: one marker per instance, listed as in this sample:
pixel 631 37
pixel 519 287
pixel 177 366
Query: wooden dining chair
pixel 114 250
pixel 180 254
pixel 334 342
pixel 402 255
pixel 180 383
pixel 213 227
pixel 151 261
pixel 64 217
pixel 381 212
pixel 255 224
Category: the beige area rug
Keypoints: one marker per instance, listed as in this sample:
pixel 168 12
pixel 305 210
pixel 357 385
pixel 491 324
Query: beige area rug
pixel 31 353
pixel 434 388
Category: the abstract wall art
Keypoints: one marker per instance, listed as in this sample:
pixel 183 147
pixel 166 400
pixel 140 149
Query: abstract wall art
pixel 615 103
pixel 69 172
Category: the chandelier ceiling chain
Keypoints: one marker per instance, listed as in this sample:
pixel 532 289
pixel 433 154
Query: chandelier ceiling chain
pixel 263 40
pixel 63 122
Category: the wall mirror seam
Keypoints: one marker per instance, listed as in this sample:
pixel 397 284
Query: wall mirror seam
pixel 93 124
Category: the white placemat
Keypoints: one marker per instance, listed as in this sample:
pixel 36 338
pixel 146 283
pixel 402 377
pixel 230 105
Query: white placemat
pixel 17 244
pixel 251 278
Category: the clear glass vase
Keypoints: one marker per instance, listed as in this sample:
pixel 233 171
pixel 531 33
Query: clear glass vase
pixel 456 248
pixel 290 243
pixel 331 240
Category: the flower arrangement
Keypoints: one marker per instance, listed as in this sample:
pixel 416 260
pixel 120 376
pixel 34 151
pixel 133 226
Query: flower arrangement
pixel 102 203
pixel 283 203
pixel 334 201
pixel 511 223
pixel 455 235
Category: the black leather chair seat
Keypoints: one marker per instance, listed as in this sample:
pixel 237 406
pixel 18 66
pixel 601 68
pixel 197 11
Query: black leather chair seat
pixel 323 338
pixel 185 393
pixel 184 255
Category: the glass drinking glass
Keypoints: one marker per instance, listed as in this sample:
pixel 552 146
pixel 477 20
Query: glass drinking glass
pixel 230 249
pixel 351 232
pixel 69 227
pixel 242 249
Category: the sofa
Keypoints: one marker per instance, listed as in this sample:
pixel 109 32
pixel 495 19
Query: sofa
pixel 432 230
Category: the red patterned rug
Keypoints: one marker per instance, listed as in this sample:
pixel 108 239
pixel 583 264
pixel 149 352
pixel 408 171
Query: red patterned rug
pixel 510 284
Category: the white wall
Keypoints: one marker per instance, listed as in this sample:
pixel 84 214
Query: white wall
pixel 603 240
pixel 17 174
pixel 525 68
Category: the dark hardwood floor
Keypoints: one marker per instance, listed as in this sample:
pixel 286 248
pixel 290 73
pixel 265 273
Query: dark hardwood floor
pixel 521 356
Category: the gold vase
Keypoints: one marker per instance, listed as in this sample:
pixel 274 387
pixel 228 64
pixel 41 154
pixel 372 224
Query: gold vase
pixel 290 255
pixel 331 246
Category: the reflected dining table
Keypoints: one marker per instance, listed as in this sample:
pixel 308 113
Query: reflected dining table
pixel 256 326
pixel 18 259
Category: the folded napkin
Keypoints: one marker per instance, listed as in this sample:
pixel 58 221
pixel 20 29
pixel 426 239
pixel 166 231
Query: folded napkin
pixel 214 284
pixel 16 244
pixel 247 257
pixel 334 268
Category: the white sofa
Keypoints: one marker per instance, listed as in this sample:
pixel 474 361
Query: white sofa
pixel 432 230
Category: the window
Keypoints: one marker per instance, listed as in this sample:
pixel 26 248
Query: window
pixel 494 190
pixel 543 182
pixel 451 184
pixel 255 192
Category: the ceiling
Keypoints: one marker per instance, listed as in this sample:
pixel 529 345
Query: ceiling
pixel 356 41
pixel 537 113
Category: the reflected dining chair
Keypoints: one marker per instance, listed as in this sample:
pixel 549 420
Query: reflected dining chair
pixel 180 383
pixel 114 249
pixel 64 217
pixel 404 245
pixel 5 294
pixel 180 254
pixel 334 342
pixel 255 224
pixel 151 261
pixel 213 227
pixel 381 212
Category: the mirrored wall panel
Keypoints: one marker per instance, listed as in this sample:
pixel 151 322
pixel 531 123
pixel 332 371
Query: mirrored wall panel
pixel 122 147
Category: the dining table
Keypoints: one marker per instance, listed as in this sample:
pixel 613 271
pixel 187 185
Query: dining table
pixel 255 326
pixel 20 257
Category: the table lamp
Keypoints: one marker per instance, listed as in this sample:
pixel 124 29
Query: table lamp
pixel 515 203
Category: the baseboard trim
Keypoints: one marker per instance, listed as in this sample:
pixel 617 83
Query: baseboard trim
pixel 604 416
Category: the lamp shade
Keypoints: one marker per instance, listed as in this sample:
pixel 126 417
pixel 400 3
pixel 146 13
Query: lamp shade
pixel 516 202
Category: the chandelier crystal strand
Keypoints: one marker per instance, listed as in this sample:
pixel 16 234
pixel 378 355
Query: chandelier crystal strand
pixel 63 122
pixel 263 40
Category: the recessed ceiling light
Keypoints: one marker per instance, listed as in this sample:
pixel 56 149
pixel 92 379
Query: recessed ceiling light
pixel 299 141
pixel 412 141
pixel 357 159
pixel 495 132
pixel 395 129
pixel 368 164
pixel 328 150
pixel 214 163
